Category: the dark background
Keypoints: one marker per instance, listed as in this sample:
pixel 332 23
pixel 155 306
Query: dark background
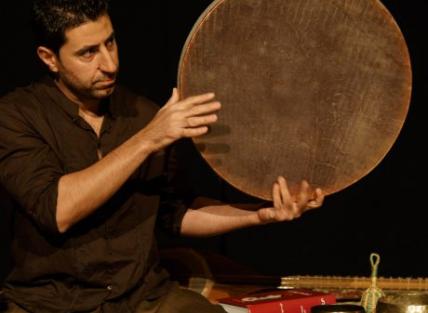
pixel 383 212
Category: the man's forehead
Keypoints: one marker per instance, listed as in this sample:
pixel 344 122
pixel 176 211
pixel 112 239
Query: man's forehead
pixel 89 33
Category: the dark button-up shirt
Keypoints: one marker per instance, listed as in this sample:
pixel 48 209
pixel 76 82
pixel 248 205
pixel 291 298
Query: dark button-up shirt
pixel 108 259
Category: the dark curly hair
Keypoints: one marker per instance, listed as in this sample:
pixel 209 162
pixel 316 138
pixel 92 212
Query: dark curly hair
pixel 52 18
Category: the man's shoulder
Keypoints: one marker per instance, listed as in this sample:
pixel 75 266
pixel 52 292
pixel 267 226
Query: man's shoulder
pixel 20 92
pixel 20 107
pixel 23 96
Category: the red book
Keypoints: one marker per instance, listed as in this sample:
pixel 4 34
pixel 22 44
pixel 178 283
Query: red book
pixel 277 301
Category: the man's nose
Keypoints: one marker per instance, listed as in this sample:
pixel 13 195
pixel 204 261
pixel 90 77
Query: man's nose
pixel 108 62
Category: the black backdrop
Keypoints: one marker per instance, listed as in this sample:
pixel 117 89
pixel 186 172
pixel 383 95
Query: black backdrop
pixel 383 212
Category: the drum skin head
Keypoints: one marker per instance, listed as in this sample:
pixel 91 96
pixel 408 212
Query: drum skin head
pixel 310 89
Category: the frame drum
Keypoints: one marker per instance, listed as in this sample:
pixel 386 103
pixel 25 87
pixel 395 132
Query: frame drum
pixel 310 89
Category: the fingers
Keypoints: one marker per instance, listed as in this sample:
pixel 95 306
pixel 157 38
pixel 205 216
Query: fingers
pixel 277 200
pixel 192 101
pixel 307 199
pixel 195 132
pixel 304 195
pixel 188 102
pixel 194 111
pixel 283 207
pixel 198 125
pixel 318 201
pixel 286 197
pixel 288 206
pixel 196 121
pixel 203 109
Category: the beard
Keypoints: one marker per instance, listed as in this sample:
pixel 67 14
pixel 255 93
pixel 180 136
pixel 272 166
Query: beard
pixel 77 87
pixel 101 88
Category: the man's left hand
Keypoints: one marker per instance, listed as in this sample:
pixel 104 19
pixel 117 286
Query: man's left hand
pixel 286 206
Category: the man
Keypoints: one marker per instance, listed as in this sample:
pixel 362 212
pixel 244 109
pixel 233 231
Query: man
pixel 86 162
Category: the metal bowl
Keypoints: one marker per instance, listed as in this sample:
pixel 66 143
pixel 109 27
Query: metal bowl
pixel 410 302
pixel 337 308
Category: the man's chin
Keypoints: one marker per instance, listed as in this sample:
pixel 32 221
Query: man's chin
pixel 105 84
pixel 104 92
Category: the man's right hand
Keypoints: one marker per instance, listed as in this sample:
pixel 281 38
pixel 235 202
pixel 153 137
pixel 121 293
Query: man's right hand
pixel 185 118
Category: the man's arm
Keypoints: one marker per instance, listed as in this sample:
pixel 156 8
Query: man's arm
pixel 219 218
pixel 82 192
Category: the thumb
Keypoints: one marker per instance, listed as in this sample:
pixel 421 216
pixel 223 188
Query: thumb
pixel 174 96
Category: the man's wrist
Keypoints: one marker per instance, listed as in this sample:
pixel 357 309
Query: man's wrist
pixel 255 219
pixel 146 146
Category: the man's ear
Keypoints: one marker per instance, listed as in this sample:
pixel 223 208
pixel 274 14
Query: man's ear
pixel 48 57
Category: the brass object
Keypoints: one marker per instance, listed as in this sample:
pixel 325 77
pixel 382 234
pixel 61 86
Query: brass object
pixel 348 282
pixel 372 294
pixel 311 89
pixel 411 302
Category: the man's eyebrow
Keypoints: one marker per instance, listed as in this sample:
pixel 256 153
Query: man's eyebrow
pixel 90 47
pixel 86 48
pixel 111 37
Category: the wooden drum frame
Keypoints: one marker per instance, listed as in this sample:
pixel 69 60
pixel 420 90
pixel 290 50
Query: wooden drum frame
pixel 310 89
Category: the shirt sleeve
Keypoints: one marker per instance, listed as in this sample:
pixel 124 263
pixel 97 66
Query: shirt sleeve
pixel 29 169
pixel 176 194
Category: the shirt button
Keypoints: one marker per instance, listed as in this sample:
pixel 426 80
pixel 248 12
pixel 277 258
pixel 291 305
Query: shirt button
pixel 109 287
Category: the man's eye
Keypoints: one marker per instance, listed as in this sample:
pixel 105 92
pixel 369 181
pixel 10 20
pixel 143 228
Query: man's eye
pixel 88 54
pixel 110 43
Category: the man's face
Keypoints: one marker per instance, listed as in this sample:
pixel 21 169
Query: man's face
pixel 87 64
